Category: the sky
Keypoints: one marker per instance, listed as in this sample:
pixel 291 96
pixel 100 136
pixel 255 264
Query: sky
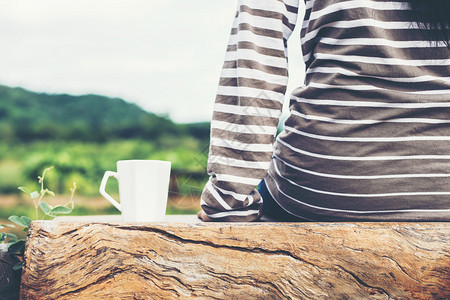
pixel 163 55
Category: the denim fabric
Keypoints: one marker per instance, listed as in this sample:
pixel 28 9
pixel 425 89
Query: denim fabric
pixel 271 208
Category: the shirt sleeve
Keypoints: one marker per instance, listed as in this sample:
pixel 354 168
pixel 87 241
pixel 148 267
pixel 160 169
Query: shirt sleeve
pixel 247 108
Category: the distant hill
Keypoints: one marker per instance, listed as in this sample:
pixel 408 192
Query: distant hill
pixel 26 115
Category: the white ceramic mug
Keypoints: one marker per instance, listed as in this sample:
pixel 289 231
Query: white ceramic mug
pixel 143 189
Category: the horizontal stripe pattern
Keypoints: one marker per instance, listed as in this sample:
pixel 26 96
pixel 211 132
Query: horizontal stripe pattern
pixel 247 109
pixel 368 137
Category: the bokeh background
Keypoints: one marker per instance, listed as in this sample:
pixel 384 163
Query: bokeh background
pixel 86 83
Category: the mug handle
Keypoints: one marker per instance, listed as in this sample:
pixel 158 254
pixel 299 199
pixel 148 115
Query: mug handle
pixel 104 193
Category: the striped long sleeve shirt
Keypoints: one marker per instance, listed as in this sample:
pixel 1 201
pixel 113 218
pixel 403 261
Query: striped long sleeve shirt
pixel 368 135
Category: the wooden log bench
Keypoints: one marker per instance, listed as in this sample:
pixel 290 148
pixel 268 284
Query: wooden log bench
pixel 105 259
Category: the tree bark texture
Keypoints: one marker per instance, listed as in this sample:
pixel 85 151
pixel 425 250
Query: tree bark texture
pixel 75 260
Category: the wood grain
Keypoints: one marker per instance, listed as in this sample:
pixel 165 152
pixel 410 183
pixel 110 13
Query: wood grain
pixel 77 260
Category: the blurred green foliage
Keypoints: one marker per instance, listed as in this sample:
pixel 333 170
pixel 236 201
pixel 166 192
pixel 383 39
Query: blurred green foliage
pixel 86 162
pixel 27 116
pixel 83 136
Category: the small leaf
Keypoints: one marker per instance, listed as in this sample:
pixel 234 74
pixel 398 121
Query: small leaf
pixel 61 210
pixel 26 220
pixel 6 225
pixel 24 189
pixel 18 221
pixel 50 192
pixel 12 237
pixel 34 195
pixel 16 247
pixel 25 229
pixel 18 266
pixel 45 207
pixel 2 237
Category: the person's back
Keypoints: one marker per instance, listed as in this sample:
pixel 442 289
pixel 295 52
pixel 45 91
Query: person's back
pixel 368 137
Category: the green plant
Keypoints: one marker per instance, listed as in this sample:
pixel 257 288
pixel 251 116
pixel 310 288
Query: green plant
pixel 16 246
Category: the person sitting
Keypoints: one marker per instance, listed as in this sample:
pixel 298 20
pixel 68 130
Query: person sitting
pixel 368 135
